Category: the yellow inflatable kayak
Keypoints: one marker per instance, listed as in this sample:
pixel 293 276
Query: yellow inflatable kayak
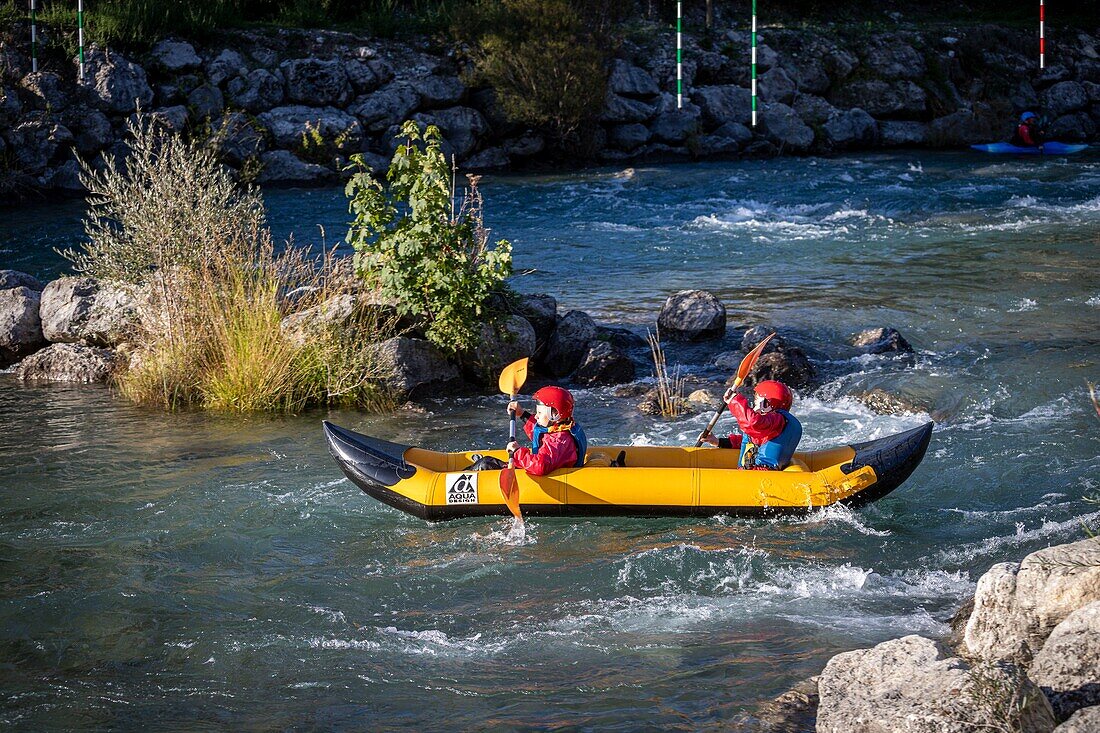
pixel 655 480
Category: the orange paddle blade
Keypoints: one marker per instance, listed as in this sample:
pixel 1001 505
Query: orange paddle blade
pixel 509 486
pixel 750 360
pixel 513 377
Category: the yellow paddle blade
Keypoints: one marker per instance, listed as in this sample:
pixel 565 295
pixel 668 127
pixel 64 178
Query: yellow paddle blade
pixel 750 360
pixel 513 377
pixel 509 487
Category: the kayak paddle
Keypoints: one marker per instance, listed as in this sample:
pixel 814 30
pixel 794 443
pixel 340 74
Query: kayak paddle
pixel 742 372
pixel 511 379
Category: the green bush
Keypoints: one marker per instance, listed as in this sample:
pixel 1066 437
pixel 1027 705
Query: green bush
pixel 411 241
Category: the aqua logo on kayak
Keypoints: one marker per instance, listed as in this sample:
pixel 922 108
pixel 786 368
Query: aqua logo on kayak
pixel 462 488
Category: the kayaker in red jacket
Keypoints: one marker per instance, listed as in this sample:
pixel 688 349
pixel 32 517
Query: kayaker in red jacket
pixel 1028 134
pixel 768 419
pixel 557 441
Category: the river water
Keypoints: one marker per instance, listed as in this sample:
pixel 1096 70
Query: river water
pixel 199 571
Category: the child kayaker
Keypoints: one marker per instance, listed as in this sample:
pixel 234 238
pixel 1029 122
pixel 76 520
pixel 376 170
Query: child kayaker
pixel 557 441
pixel 769 432
pixel 1028 133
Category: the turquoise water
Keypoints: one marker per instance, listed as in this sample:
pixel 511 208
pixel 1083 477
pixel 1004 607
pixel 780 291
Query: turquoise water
pixel 212 572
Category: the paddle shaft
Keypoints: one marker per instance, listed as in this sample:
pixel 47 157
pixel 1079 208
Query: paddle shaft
pixel 714 420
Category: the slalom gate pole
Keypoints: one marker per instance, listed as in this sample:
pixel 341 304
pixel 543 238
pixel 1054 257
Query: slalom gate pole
pixel 679 57
pixel 34 35
pixel 1042 35
pixel 80 33
pixel 754 62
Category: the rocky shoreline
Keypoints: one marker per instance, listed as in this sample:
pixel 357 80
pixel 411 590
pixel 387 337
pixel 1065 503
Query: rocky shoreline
pixel 291 106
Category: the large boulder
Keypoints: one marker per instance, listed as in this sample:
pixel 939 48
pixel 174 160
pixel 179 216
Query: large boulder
pixel 753 336
pixel 623 109
pixel 225 66
pixel 1076 127
pixel 568 344
pixel 813 109
pixel 362 76
pixel 35 142
pixel 881 340
pixel 1017 605
pixel 1086 720
pixel 882 98
pixel 290 125
pixel 316 82
pixel 83 310
pixel 116 83
pixel 282 166
pixel 15 279
pixel 1067 668
pixel 10 106
pixel 412 366
pixel 675 126
pixel 963 127
pixel 174 56
pixel 1064 97
pixel 20 324
pixel 336 313
pixel 462 127
pixel 692 315
pixel 604 364
pixel 892 58
pixel 541 311
pixel 908 684
pixel 785 129
pixel 901 133
pixel 68 363
pixel 628 137
pixel 206 101
pixel 44 90
pixel 440 91
pixel 776 85
pixel 723 103
pixel 239 138
pixel 257 91
pixel 790 365
pixel 631 81
pixel 852 129
pixel 499 345
pixel 388 106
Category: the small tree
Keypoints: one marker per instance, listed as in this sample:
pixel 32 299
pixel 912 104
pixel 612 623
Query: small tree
pixel 432 258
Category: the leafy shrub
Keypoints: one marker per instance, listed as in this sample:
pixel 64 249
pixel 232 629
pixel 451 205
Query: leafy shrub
pixel 409 239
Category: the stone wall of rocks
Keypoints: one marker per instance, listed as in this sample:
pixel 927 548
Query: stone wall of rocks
pixel 267 91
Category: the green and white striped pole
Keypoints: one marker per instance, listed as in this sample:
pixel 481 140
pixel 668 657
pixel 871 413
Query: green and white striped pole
pixel 679 58
pixel 754 63
pixel 34 35
pixel 80 33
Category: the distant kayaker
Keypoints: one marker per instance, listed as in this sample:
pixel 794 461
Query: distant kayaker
pixel 1028 133
pixel 769 432
pixel 557 441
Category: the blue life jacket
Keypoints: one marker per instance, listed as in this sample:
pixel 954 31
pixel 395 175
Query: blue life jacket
pixel 579 439
pixel 776 453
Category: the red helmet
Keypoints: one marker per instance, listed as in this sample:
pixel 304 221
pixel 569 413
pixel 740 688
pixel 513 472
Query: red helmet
pixel 557 398
pixel 776 393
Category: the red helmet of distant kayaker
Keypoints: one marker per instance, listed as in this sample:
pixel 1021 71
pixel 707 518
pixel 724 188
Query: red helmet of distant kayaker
pixel 557 399
pixel 777 394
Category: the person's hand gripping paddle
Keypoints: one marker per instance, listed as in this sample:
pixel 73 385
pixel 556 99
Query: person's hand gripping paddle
pixel 742 372
pixel 511 379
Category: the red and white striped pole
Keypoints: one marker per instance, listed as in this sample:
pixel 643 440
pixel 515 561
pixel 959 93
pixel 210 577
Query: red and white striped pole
pixel 1042 35
pixel 34 36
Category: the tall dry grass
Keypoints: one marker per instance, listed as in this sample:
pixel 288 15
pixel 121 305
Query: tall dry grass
pixel 670 385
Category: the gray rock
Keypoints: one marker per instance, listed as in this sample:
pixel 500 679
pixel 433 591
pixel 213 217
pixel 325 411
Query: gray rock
pixel 82 310
pixel 316 82
pixel 964 127
pixel 462 127
pixel 908 684
pixel 881 340
pixel 813 110
pixel 1092 89
pixel 809 75
pixel 281 166
pixel 766 57
pixel 753 336
pixel 336 313
pixel 15 279
pixel 890 58
pixel 525 145
pixel 1067 668
pixel 361 76
pixel 382 69
pixel 65 177
pixel 390 105
pixel 174 56
pixel 258 91
pixel 628 137
pixel 604 364
pixel 68 363
pixel 776 86
pixel 238 138
pixel 173 118
pixel 1086 720
pixel 692 315
pixel 339 130
pixel 714 146
pixel 887 403
pixel 1076 127
pixel 630 81
pixel 541 311
pixel 498 346
pixel 882 98
pixel 839 63
pixel 1064 97
pixel 621 337
pixel 623 109
pixel 20 325
pixel 488 159
pixel 735 131
pixel 725 103
pixel 676 126
pixel 413 366
pixel 93 132
pixel 117 84
pixel 440 91
pixel 35 142
pixel 795 711
pixel 225 66
pixel 790 366
pixel 568 344
pixel 1017 605
pixel 898 133
pixel 10 106
pixel 44 90
pixel 852 129
pixel 784 128
pixel 206 102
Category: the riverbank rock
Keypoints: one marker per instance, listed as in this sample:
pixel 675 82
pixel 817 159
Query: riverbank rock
pixel 604 364
pixel 1067 668
pixel 289 125
pixel 316 82
pixel 20 324
pixel 499 345
pixel 413 366
pixel 334 314
pixel 1017 605
pixel 174 56
pixel 116 83
pixel 541 311
pixel 692 315
pixel 621 337
pixel 790 366
pixel 568 344
pixel 908 684
pixel 68 363
pixel 881 340
pixel 15 279
pixel 795 711
pixel 282 166
pixel 82 310
pixel 752 338
pixel 1083 721
pixel 888 403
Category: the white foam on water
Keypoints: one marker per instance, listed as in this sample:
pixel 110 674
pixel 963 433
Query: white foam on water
pixel 435 642
pixel 1022 305
pixel 840 514
pixel 333 616
pixel 1050 530
pixel 1093 301
pixel 318 642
